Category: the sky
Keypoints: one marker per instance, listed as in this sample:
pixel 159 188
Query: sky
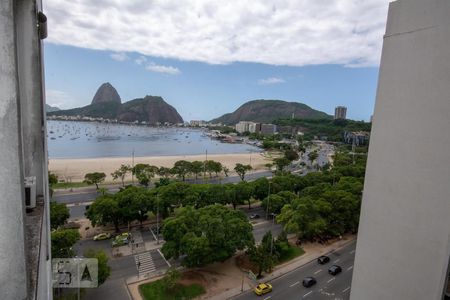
pixel 207 58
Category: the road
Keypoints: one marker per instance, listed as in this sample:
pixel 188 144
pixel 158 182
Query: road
pixel 289 286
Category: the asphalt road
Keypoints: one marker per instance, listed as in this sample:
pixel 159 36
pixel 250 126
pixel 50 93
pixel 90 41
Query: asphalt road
pixel 289 286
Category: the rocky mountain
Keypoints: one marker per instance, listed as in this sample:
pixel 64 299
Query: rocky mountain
pixel 49 108
pixel 106 93
pixel 267 111
pixel 151 109
pixel 107 104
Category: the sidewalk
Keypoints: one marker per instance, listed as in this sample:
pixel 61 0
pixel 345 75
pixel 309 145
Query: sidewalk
pixel 312 251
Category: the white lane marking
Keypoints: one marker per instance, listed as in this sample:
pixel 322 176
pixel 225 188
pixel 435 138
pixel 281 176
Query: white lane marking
pixel 294 284
pixel 349 268
pixel 331 279
pixel 346 289
pixel 336 260
pixel 318 271
pixel 353 251
pixel 307 294
pixel 267 298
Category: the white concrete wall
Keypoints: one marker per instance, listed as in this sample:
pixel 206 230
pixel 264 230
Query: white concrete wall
pixel 403 246
pixel 13 279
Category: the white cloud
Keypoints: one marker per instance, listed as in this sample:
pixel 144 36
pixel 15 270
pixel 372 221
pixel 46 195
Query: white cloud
pixel 162 69
pixel 271 80
pixel 120 56
pixel 282 32
pixel 140 60
pixel 59 99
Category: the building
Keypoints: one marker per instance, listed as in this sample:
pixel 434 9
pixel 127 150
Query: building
pixel 403 246
pixel 25 260
pixel 357 138
pixel 243 126
pixel 268 129
pixel 198 123
pixel 254 128
pixel 340 112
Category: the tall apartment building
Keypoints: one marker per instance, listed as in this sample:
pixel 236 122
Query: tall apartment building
pixel 243 126
pixel 340 112
pixel 403 246
pixel 25 259
pixel 268 128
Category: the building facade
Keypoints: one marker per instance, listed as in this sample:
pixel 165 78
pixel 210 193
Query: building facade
pixel 340 112
pixel 403 246
pixel 268 129
pixel 25 260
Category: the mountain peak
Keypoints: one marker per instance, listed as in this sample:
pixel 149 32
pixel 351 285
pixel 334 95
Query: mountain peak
pixel 106 93
pixel 267 111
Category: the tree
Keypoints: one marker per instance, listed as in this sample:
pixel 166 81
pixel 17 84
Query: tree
pixel 62 241
pixel 181 168
pixel 164 172
pixel 134 204
pixel 52 178
pixel 94 178
pixel 281 163
pixel 241 170
pixel 291 155
pixel 144 173
pixel 213 166
pixel 263 255
pixel 196 168
pixel 121 173
pixel 59 213
pixel 313 156
pixel 206 235
pixel 170 278
pixel 225 170
pixel 104 210
pixel 104 269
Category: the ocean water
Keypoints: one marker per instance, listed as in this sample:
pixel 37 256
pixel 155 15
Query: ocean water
pixel 67 139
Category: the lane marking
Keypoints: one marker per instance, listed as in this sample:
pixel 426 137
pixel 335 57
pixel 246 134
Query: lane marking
pixel 307 294
pixel 331 279
pixel 336 260
pixel 349 268
pixel 346 289
pixel 294 284
pixel 318 271
pixel 353 251
pixel 267 298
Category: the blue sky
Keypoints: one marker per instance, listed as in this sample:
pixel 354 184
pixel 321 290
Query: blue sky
pixel 207 58
pixel 205 91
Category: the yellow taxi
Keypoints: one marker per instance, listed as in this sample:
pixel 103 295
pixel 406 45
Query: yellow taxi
pixel 263 288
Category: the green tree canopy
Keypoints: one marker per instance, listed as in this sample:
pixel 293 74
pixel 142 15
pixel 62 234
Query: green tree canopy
pixel 94 178
pixel 59 213
pixel 206 235
pixel 62 242
pixel 241 170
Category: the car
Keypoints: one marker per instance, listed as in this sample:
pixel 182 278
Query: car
pixel 121 239
pixel 263 288
pixel 323 260
pixel 254 216
pixel 102 236
pixel 334 270
pixel 309 281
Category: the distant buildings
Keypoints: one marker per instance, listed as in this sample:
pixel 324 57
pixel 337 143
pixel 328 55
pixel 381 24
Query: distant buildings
pixel 340 112
pixel 253 127
pixel 198 123
pixel 356 137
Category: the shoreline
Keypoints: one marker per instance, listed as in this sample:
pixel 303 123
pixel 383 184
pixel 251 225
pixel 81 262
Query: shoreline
pixel 74 169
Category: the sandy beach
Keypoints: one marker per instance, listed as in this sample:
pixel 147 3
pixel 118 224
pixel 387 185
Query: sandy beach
pixel 74 169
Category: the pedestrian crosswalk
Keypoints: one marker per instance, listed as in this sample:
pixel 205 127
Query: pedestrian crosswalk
pixel 144 263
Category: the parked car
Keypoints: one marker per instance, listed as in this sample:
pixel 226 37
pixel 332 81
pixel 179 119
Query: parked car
pixel 121 239
pixel 323 260
pixel 102 236
pixel 309 281
pixel 254 216
pixel 334 270
pixel 263 288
